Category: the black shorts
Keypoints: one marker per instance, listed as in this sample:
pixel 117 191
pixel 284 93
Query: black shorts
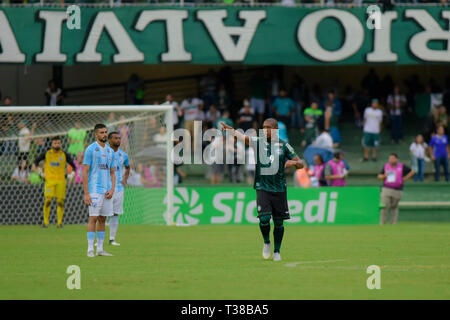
pixel 274 203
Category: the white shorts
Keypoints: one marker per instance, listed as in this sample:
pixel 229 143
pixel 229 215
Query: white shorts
pixel 100 206
pixel 258 105
pixel 118 202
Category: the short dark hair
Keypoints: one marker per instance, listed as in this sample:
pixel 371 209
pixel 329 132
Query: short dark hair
pixel 394 154
pixel 337 154
pixel 273 121
pixel 99 126
pixel 56 138
pixel 111 134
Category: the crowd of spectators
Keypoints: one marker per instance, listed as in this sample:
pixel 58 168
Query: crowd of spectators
pixel 315 112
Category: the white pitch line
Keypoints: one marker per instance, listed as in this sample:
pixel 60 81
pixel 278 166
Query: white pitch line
pixel 294 264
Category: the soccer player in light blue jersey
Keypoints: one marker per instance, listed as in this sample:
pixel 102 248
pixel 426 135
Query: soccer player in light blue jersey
pixel 99 181
pixel 122 168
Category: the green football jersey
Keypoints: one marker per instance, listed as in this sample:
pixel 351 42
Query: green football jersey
pixel 283 151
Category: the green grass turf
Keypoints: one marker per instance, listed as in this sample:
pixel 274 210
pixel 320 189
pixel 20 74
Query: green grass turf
pixel 224 262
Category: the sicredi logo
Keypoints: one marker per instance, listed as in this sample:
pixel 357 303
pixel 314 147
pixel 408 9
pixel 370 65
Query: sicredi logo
pixel 237 208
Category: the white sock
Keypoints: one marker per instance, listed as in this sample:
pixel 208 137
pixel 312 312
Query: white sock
pixel 100 244
pixel 91 245
pixel 113 226
pixel 100 239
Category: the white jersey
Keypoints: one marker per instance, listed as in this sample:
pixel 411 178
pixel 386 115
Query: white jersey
pixel 373 118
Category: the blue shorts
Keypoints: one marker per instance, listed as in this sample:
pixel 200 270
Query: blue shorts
pixel 335 134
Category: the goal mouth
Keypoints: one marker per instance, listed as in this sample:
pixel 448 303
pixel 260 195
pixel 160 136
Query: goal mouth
pixel 27 132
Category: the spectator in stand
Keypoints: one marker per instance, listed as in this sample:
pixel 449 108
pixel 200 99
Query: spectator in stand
pixel 77 139
pixel 135 178
pixel 212 115
pixel 177 113
pixel 331 123
pixel 334 102
pixel 7 102
pixel 53 95
pixel 224 118
pixel 441 118
pixel 246 119
pixel 282 131
pixel 151 176
pixel 21 173
pixel 396 103
pixel 34 177
pixel 312 117
pixel 258 93
pixel 418 151
pixel 160 139
pixel 78 177
pixel 283 108
pixel 440 152
pixel 335 171
pixel 190 107
pixel 324 140
pixel 124 131
pixel 209 88
pixel 25 137
pixel 394 173
pixel 373 119
pixel 9 128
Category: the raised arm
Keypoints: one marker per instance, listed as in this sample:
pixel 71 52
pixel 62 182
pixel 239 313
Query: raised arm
pixel 240 136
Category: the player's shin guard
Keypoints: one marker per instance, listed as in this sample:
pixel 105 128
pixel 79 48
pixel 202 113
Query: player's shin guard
pixel 113 226
pixel 60 212
pixel 278 233
pixel 264 226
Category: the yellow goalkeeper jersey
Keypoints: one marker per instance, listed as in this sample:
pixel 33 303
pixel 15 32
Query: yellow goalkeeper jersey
pixel 55 164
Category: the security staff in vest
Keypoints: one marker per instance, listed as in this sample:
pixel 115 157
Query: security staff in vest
pixel 335 171
pixel 394 173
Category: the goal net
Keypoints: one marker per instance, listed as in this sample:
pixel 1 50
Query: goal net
pixel 27 132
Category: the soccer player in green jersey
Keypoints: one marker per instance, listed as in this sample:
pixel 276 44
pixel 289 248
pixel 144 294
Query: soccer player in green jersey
pixel 270 182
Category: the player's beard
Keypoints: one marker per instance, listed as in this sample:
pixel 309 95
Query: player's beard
pixel 102 140
pixel 57 149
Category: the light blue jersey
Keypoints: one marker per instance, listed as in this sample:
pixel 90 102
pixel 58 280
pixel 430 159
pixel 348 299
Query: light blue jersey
pixel 120 161
pixel 100 161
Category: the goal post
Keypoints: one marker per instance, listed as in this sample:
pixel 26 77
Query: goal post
pixel 146 135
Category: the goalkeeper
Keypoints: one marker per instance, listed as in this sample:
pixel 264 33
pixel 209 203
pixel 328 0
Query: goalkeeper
pixel 55 179
pixel 270 182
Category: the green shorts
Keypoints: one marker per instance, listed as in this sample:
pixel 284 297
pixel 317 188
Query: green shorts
pixel 371 139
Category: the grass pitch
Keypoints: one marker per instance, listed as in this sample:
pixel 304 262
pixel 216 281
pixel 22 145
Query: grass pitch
pixel 224 262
